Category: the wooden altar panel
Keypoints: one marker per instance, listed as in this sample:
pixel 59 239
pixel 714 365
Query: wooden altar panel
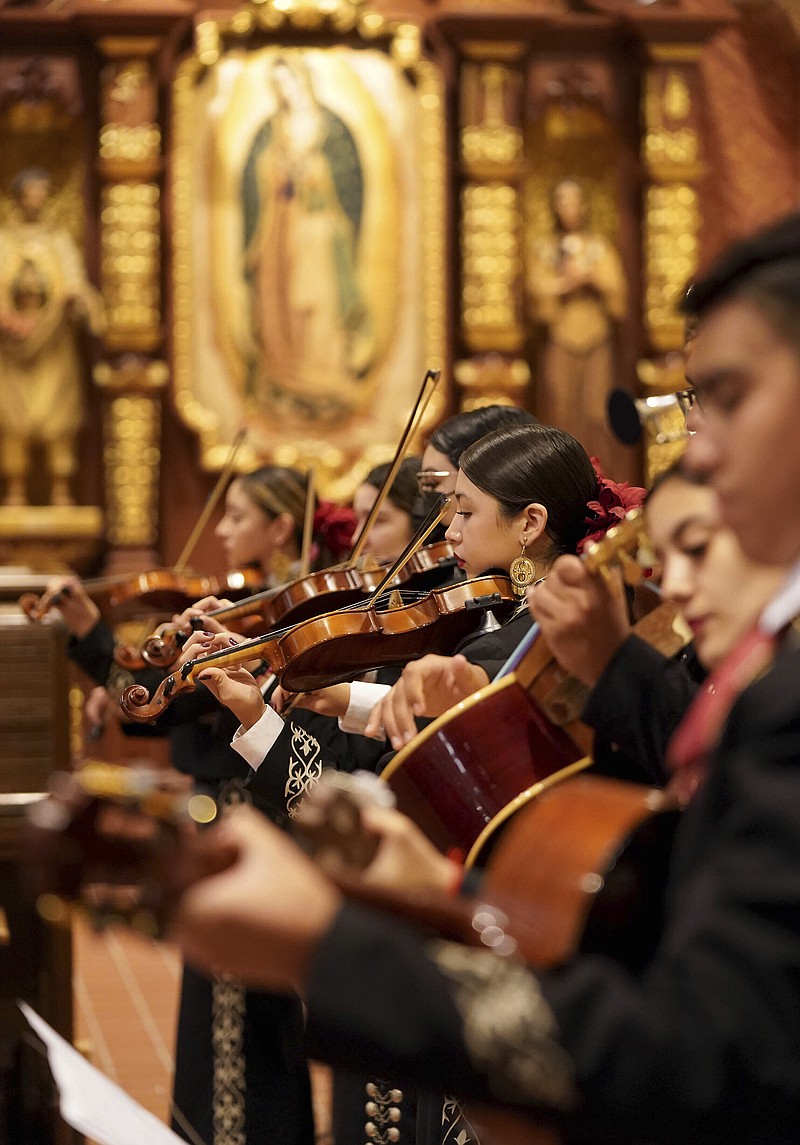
pixel 34 727
pixel 35 957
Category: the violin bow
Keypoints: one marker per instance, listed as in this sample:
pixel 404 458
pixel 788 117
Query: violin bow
pixel 429 384
pixel 423 532
pixel 308 523
pixel 211 502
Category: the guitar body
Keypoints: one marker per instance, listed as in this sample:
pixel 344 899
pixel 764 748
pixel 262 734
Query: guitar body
pixel 584 867
pixel 462 778
pixel 464 775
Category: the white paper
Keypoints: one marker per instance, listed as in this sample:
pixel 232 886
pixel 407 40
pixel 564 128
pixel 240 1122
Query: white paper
pixel 92 1103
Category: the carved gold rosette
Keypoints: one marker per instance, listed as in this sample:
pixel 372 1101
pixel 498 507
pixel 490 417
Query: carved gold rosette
pixel 325 17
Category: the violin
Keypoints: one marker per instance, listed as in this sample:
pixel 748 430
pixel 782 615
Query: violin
pixel 340 646
pixel 163 590
pixel 298 600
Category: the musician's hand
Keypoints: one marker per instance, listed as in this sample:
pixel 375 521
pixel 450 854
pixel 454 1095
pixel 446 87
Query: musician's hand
pixel 261 919
pixel 332 701
pixel 183 619
pixel 201 644
pixel 583 616
pixel 238 690
pixel 96 710
pixel 79 611
pixel 426 688
pixel 405 857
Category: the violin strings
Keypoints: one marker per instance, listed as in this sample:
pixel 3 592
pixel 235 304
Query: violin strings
pixel 257 641
pixel 431 520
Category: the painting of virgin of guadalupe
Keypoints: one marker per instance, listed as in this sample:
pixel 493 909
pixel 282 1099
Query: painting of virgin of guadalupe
pixel 308 253
pixel 303 204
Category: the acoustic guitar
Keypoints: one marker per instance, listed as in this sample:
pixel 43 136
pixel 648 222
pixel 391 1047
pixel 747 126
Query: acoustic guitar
pixel 583 867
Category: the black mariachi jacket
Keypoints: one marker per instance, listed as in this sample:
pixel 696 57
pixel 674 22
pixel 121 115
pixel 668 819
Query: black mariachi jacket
pixel 703 1047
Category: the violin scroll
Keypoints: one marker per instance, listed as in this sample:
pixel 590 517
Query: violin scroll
pixel 136 703
pixel 37 607
pixel 161 650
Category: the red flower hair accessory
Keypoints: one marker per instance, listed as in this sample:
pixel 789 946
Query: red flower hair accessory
pixel 614 500
pixel 334 525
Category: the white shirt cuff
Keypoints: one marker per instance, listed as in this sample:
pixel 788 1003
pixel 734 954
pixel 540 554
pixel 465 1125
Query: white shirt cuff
pixel 363 698
pixel 254 744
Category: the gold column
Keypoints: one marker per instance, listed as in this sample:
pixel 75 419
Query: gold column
pixel 132 455
pixel 133 378
pixel 671 151
pixel 491 231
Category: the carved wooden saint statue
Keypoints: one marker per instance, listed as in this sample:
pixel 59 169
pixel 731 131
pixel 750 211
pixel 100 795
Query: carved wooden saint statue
pixel 44 296
pixel 578 293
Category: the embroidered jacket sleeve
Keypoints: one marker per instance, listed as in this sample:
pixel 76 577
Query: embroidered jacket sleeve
pixel 703 1046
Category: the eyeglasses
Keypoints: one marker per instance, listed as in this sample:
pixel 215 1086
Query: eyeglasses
pixel 428 479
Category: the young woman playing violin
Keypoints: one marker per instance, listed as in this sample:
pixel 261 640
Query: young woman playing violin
pixel 260 1076
pixel 522 497
pixel 435 478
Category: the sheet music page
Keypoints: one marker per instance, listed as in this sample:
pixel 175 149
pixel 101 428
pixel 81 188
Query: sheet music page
pixel 92 1103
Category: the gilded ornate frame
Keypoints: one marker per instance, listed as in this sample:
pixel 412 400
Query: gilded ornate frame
pixel 343 455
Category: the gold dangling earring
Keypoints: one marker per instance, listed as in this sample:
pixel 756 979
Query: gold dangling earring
pixel 522 572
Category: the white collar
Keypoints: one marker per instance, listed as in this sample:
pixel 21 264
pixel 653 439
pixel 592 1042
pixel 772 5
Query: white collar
pixel 784 607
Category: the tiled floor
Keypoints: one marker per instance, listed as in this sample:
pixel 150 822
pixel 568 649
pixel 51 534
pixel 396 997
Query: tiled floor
pixel 126 1004
pixel 126 999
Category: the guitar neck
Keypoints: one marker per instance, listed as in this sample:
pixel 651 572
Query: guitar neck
pixel 562 696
